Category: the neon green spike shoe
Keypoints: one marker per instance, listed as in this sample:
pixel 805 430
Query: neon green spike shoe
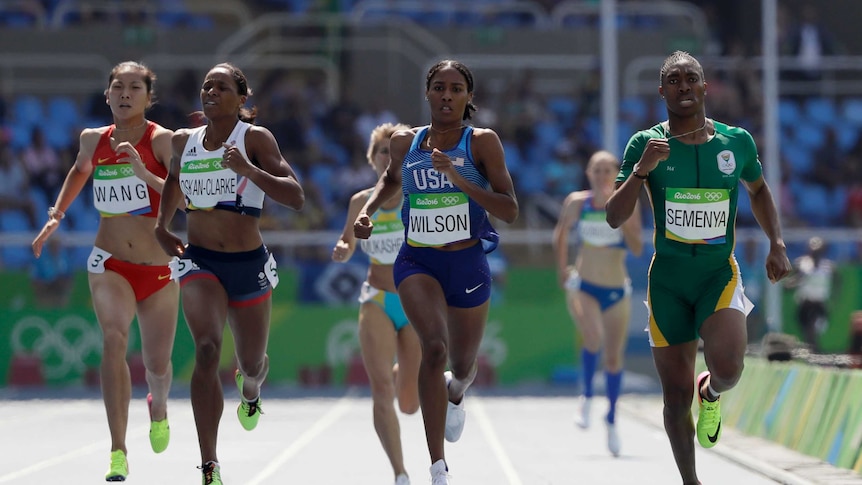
pixel 119 467
pixel 708 418
pixel 160 431
pixel 247 412
pixel 211 473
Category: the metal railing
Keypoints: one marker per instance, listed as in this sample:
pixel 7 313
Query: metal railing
pixel 232 9
pixel 450 10
pixel 37 73
pixel 840 75
pixel 691 14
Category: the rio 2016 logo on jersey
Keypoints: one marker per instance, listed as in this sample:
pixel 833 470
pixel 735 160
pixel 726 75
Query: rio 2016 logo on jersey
pixel 726 162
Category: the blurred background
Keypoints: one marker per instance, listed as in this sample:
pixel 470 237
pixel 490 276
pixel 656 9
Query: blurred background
pixel 325 72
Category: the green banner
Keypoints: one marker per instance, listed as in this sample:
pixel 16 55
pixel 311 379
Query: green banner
pixel 529 333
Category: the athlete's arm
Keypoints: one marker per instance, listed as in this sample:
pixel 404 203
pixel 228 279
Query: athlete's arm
pixel 346 244
pixel 488 153
pixel 622 202
pixel 75 181
pixel 171 195
pixel 633 232
pixel 763 208
pixel 570 214
pixel 163 151
pixel 388 185
pixel 272 174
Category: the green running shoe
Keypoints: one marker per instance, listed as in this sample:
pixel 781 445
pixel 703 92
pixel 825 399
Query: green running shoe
pixel 708 418
pixel 247 412
pixel 119 467
pixel 211 473
pixel 160 431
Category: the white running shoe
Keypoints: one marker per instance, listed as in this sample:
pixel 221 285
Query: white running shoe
pixel 455 415
pixel 613 439
pixel 402 479
pixel 439 473
pixel 582 418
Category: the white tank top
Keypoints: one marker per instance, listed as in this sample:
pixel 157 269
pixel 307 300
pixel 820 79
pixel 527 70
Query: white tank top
pixel 207 185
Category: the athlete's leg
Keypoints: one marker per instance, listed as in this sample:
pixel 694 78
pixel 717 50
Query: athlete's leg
pixel 425 307
pixel 407 378
pixel 205 309
pixel 157 319
pixel 377 340
pixel 675 366
pixel 587 314
pixel 466 327
pixel 725 339
pixel 250 328
pixel 114 304
pixel 616 326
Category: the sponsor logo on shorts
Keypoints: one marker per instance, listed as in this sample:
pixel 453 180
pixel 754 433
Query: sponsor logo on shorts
pixel 471 290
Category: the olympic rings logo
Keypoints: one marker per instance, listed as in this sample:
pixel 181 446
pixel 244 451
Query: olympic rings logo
pixel 493 345
pixel 342 342
pixel 450 199
pixel 63 347
pixel 217 164
pixel 713 196
pixel 126 171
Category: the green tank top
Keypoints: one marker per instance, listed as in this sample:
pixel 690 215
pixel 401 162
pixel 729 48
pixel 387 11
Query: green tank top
pixel 694 192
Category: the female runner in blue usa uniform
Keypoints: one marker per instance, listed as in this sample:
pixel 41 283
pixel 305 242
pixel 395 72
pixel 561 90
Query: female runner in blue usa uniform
pixel 452 176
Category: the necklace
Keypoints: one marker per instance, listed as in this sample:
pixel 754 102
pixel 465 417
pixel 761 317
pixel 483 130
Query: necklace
pixel 440 132
pixel 132 128
pixel 687 132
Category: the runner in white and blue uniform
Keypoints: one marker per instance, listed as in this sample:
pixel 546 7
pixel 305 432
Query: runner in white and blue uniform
pixel 598 289
pixel 452 176
pixel 385 334
pixel 224 169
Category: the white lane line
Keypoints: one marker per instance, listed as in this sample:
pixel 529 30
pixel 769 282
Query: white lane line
pixel 477 409
pixel 86 450
pixel 335 413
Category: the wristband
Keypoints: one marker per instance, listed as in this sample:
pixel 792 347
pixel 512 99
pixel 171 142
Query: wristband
pixel 55 213
pixel 642 177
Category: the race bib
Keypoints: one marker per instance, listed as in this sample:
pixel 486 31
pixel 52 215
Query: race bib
pixel 117 190
pixel 697 216
pixel 385 241
pixel 96 260
pixel 179 267
pixel 438 219
pixel 593 229
pixel 206 183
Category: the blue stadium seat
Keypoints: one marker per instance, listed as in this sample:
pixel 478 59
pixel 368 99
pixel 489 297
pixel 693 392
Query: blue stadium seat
pixel 58 135
pixel 20 135
pixel 847 136
pixel 63 109
pixel 514 162
pixel 789 113
pixel 564 108
pixel 17 20
pixel 852 111
pixel 813 204
pixel 28 109
pixel 799 156
pixel 83 216
pixel 634 108
pixel 810 134
pixel 15 257
pixel 743 208
pixel 821 110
